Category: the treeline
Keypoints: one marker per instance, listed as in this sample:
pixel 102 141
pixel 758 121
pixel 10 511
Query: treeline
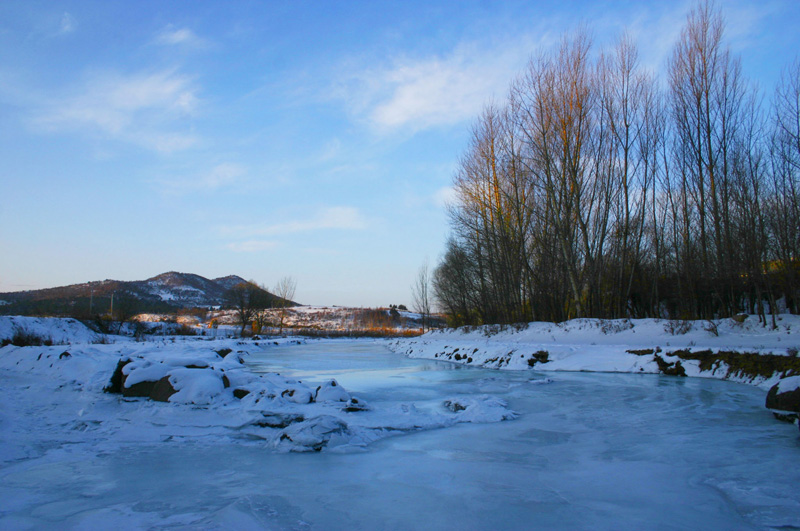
pixel 600 190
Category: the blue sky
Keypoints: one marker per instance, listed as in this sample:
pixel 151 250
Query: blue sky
pixel 265 139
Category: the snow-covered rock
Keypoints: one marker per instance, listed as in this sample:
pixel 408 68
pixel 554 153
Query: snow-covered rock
pixel 784 398
pixel 331 391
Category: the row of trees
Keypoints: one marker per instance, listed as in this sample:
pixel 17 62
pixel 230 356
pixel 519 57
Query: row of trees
pixel 598 190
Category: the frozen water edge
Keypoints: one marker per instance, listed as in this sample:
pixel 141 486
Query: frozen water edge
pixel 587 451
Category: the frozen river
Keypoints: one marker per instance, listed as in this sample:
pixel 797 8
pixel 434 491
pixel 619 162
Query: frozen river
pixel 588 451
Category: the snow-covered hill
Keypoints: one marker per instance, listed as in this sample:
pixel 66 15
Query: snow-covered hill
pixel 164 292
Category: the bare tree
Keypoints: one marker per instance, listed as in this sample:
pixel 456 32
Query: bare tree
pixel 247 299
pixel 284 291
pixel 420 294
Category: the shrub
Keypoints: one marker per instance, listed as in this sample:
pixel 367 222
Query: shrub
pixel 711 328
pixel 678 327
pixel 608 326
pixel 25 338
pixel 184 330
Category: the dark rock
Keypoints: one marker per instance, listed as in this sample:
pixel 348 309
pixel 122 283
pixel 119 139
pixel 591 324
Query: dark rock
pixel 786 403
pixel 139 389
pixel 240 393
pixel 64 354
pixel 197 366
pixel 162 390
pixel 117 378
pixel 223 352
pixel 225 381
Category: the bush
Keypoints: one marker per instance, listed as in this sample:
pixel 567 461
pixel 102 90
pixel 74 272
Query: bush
pixel 678 327
pixel 26 338
pixel 184 330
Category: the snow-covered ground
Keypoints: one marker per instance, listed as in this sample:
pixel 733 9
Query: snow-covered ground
pixel 596 345
pixel 53 329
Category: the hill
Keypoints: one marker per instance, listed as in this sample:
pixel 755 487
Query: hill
pixel 164 293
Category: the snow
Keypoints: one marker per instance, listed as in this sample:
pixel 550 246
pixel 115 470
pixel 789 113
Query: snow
pixel 56 329
pixel 787 385
pixel 205 402
pixel 346 435
pixel 596 345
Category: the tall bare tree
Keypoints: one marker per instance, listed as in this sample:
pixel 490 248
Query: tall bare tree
pixel 284 291
pixel 421 294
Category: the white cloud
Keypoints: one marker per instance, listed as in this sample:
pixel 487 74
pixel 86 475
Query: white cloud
pixel 252 246
pixel 341 218
pixel 436 90
pixel 444 196
pixel 141 108
pixel 172 36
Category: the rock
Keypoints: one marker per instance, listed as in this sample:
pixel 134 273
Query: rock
pixel 64 354
pixel 139 389
pixel 331 392
pixel 298 395
pixel 223 352
pixel 784 399
pixel 354 404
pixel 162 390
pixel 240 393
pixel 117 377
pixel 315 434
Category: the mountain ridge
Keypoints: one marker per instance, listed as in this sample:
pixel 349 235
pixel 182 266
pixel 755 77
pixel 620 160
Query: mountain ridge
pixel 166 292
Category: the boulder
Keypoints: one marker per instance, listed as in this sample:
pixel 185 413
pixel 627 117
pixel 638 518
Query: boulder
pixel 144 389
pixel 784 398
pixel 162 390
pixel 240 393
pixel 117 377
pixel 298 395
pixel 331 392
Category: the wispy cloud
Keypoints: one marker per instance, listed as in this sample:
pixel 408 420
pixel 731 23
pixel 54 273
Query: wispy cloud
pixel 142 108
pixel 172 36
pixel 341 218
pixel 419 93
pixel 444 197
pixel 251 246
pixel 68 24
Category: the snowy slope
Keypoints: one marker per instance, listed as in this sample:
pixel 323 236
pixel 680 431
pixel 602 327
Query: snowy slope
pixel 57 330
pixel 603 345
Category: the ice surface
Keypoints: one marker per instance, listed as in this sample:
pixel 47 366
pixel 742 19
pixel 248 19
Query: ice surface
pixel 586 451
